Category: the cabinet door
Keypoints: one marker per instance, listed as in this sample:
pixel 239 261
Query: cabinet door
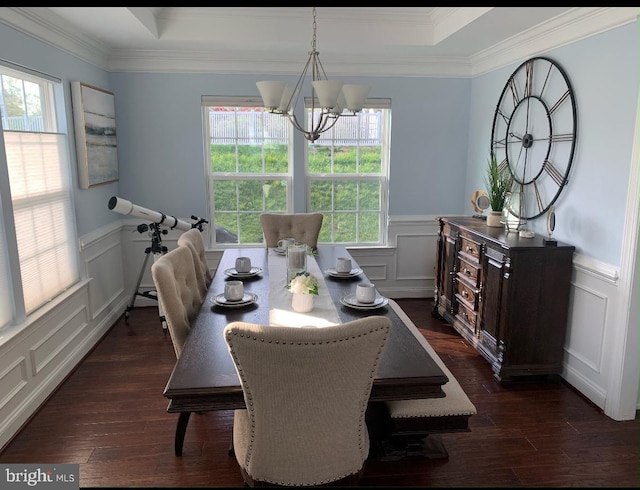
pixel 446 264
pixel 491 301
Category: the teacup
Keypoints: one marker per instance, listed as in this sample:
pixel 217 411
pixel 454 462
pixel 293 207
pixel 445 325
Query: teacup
pixel 365 292
pixel 343 265
pixel 243 264
pixel 284 243
pixel 233 290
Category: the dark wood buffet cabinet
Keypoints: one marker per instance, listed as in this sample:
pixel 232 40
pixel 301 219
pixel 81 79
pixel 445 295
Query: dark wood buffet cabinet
pixel 506 295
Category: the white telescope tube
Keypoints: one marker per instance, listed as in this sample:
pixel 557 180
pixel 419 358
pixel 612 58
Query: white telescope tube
pixel 127 207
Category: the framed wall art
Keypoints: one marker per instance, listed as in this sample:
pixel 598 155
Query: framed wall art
pixel 94 115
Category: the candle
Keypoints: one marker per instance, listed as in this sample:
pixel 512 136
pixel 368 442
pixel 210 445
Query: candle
pixel 296 260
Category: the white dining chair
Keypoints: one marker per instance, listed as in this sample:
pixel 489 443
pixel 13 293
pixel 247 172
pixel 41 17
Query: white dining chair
pixel 193 239
pixel 302 227
pixel 179 295
pixel 306 390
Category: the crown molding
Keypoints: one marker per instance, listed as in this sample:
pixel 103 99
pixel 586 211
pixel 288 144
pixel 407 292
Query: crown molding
pixel 579 23
pixel 574 25
pixel 156 61
pixel 42 24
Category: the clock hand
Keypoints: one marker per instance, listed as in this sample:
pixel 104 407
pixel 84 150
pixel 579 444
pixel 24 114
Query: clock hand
pixel 515 136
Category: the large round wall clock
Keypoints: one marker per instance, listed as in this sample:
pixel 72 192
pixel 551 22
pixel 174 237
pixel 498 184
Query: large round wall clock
pixel 534 134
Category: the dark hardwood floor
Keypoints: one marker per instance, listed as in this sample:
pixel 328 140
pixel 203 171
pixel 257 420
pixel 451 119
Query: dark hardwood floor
pixel 110 418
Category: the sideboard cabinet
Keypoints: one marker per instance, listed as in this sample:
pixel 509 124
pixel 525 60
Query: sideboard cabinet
pixel 506 295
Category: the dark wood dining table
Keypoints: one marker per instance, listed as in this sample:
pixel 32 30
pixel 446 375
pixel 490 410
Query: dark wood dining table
pixel 204 377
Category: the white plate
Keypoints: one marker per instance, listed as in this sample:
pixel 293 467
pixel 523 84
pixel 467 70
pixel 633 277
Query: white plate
pixel 247 299
pixel 234 273
pixel 352 302
pixel 356 271
pixel 280 251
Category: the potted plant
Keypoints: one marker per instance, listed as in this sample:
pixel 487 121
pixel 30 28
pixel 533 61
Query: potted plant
pixel 498 186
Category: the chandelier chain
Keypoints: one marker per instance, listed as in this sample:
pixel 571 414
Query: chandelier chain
pixel 315 25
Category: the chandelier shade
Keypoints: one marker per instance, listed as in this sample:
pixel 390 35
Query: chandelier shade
pixel 271 93
pixel 331 97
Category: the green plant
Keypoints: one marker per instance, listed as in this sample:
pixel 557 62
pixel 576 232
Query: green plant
pixel 498 184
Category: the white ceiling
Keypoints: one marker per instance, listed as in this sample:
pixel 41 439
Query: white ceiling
pixel 409 41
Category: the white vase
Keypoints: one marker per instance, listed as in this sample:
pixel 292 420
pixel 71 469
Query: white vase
pixel 493 218
pixel 302 303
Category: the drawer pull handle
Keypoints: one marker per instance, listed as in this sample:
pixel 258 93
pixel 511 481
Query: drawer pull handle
pixel 467 271
pixel 465 294
pixel 469 249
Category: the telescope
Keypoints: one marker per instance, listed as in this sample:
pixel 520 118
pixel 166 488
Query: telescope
pixel 156 249
pixel 127 207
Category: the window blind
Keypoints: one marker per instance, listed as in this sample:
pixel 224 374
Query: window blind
pixel 38 167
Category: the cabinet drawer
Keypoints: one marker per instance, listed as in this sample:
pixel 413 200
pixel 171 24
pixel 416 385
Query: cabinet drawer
pixel 470 248
pixel 469 272
pixel 467 295
pixel 467 316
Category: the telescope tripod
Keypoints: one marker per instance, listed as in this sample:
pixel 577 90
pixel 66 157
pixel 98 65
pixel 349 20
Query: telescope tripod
pixel 157 249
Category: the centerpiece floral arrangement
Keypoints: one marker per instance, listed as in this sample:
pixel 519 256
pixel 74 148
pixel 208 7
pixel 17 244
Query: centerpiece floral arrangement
pixel 303 283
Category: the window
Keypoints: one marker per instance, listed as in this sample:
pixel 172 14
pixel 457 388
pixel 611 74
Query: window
pixel 37 204
pixel 250 170
pixel 248 167
pixel 347 177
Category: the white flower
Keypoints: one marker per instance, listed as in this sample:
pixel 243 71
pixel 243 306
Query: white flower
pixel 304 283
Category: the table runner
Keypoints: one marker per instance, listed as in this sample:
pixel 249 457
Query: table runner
pixel 281 313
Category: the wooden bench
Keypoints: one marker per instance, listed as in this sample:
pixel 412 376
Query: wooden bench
pixel 411 424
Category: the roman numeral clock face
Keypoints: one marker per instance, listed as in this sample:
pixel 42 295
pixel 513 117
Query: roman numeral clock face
pixel 534 134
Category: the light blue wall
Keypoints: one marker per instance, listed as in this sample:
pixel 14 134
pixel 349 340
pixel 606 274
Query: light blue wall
pixel 161 149
pixel 603 71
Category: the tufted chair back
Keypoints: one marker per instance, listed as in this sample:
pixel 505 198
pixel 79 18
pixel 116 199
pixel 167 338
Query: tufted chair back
pixel 306 390
pixel 193 239
pixel 179 296
pixel 302 227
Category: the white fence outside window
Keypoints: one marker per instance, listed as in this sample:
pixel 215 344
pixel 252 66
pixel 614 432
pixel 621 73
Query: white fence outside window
pixel 259 126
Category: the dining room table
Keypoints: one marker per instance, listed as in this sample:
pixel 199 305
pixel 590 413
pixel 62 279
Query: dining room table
pixel 204 377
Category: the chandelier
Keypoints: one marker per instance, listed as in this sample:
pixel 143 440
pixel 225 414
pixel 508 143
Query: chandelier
pixel 331 97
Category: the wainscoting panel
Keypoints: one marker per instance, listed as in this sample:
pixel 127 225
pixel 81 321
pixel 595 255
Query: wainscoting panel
pixel 585 340
pixel 99 252
pixel 588 360
pixel 13 379
pixel 59 341
pixel 416 262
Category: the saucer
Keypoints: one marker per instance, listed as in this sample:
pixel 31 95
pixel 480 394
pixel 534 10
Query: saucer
pixel 280 251
pixel 356 271
pixel 234 273
pixel 352 302
pixel 247 299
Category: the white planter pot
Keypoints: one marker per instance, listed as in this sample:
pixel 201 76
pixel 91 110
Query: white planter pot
pixel 302 303
pixel 493 218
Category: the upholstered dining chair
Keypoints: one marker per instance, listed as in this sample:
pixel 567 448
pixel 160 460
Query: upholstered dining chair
pixel 193 239
pixel 179 296
pixel 306 390
pixel 302 227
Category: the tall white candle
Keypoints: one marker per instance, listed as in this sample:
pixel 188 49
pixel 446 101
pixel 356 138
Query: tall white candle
pixel 296 259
